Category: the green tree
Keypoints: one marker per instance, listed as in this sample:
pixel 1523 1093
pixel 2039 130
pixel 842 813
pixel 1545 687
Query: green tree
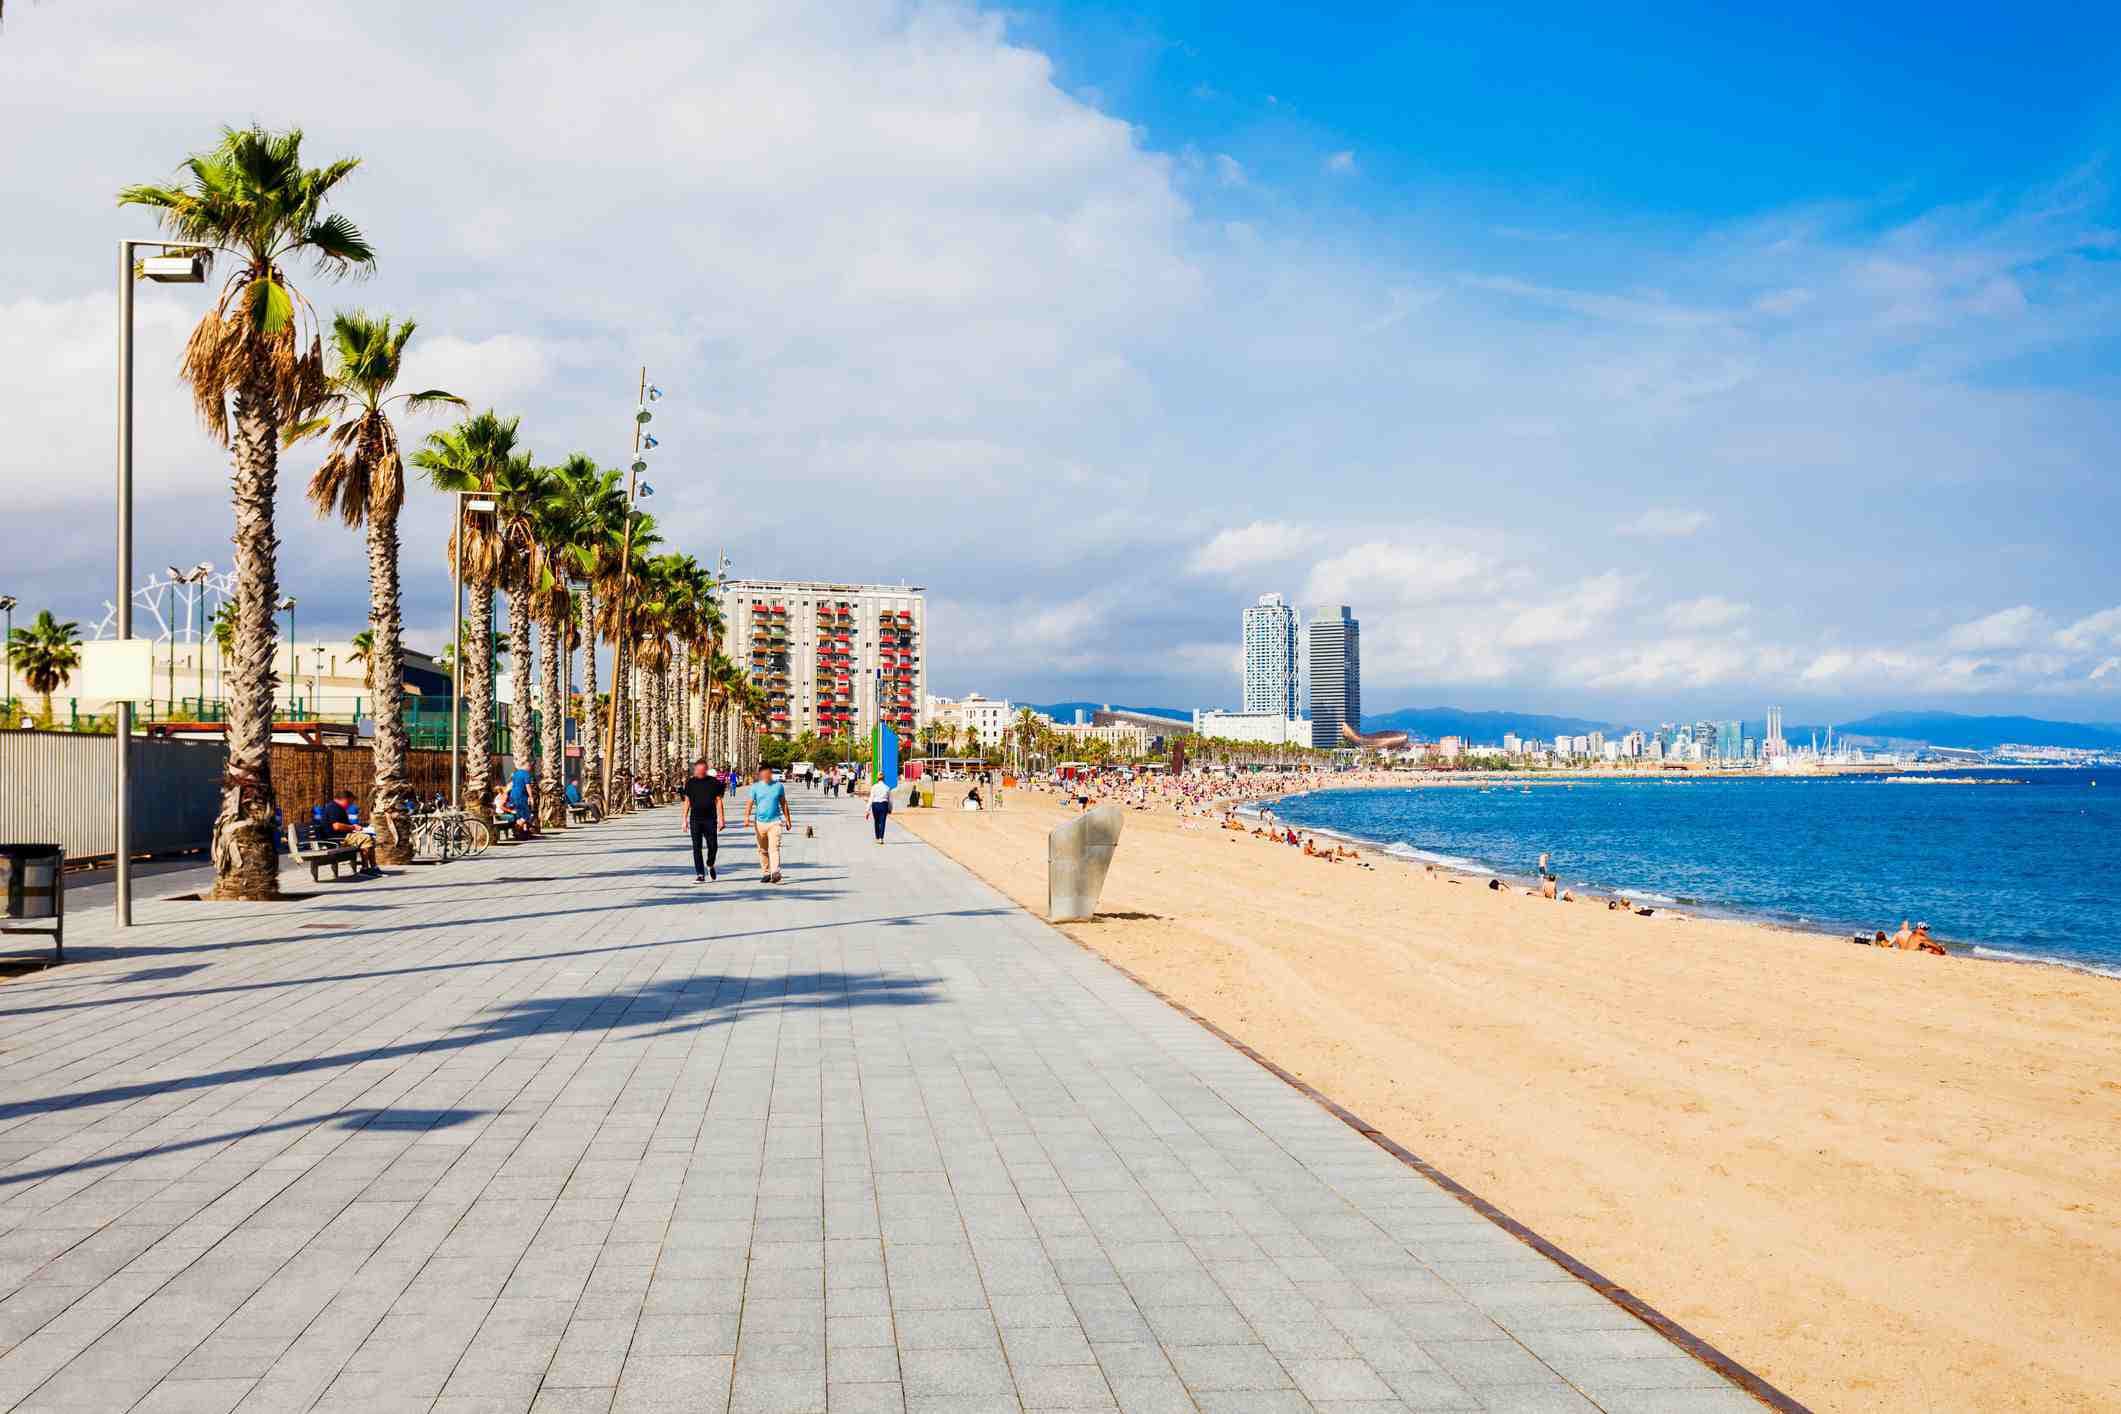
pixel 362 479
pixel 45 653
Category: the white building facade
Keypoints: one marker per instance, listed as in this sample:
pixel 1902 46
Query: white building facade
pixel 1264 728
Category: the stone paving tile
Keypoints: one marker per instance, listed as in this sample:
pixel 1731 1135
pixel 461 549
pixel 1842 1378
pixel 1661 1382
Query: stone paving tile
pixel 871 1142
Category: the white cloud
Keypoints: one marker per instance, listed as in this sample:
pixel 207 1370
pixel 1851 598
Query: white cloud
pixel 2100 630
pixel 2006 628
pixel 1711 611
pixel 1341 164
pixel 1246 549
pixel 1666 523
pixel 1405 573
pixel 1229 170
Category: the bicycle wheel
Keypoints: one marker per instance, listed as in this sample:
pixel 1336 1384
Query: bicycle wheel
pixel 479 834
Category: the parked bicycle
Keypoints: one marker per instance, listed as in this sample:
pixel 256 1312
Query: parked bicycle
pixel 447 834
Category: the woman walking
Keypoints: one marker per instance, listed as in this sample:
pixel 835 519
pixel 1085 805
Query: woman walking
pixel 879 805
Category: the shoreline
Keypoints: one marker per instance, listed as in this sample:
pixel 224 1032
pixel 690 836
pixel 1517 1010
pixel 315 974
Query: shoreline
pixel 1706 910
pixel 1871 1180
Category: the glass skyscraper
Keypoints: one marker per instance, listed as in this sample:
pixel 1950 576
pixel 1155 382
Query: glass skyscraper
pixel 1336 673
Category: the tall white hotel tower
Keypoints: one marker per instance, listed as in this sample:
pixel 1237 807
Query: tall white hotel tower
pixel 1271 664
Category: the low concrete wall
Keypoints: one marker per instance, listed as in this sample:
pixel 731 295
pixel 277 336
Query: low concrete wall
pixel 61 788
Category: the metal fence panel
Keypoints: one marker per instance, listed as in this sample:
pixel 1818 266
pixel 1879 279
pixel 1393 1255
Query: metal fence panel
pixel 61 788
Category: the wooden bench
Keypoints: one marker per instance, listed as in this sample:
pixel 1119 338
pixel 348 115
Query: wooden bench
pixel 304 843
pixel 583 813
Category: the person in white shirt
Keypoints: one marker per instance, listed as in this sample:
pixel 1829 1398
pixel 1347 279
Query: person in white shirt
pixel 879 805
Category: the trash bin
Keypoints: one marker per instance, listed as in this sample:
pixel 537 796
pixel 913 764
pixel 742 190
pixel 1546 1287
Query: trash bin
pixel 33 886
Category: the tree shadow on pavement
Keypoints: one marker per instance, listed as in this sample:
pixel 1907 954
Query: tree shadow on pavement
pixel 673 1005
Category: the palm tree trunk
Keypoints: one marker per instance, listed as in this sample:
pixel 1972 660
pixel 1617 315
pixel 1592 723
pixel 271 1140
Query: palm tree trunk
pixel 476 672
pixel 521 730
pixel 246 856
pixel 552 779
pixel 386 684
pixel 592 758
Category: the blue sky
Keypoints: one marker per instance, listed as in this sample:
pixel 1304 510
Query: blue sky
pixel 1617 362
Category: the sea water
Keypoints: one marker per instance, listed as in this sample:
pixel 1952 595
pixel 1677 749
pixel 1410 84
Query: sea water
pixel 2023 864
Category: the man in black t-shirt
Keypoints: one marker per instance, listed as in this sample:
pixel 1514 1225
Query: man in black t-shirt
pixel 704 817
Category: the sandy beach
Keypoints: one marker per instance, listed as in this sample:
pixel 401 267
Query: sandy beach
pixel 1883 1180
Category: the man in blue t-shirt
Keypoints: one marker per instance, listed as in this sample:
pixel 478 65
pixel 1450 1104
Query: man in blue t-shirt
pixel 766 811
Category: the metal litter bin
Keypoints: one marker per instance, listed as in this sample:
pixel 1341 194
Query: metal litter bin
pixel 33 885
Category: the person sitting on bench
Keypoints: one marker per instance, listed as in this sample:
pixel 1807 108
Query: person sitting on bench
pixel 339 828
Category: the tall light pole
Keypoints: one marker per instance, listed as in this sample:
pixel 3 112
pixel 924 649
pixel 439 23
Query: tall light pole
pixel 194 579
pixel 316 683
pixel 287 607
pixel 7 608
pixel 187 266
pixel 634 467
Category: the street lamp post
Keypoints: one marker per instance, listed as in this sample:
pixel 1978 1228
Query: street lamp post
pixel 7 607
pixel 634 467
pixel 316 682
pixel 186 267
pixel 287 606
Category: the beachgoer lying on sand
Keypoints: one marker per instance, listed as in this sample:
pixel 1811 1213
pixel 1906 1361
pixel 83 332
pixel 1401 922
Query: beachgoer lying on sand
pixel 1567 897
pixel 1926 943
pixel 1878 939
pixel 1905 938
pixel 1495 884
pixel 1546 887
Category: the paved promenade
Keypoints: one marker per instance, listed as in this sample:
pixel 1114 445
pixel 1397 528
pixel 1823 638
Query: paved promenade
pixel 558 1130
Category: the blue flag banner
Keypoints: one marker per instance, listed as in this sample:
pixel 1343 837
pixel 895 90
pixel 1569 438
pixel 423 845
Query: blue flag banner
pixel 883 755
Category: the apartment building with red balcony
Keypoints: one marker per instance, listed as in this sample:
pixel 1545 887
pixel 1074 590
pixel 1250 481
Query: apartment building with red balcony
pixel 832 658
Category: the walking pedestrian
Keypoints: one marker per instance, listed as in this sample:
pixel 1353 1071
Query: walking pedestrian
pixel 766 811
pixel 879 805
pixel 704 818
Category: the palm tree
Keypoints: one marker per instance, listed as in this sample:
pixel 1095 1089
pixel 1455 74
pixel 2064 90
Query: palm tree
pixel 363 480
pixel 46 654
pixel 556 527
pixel 464 458
pixel 251 199
pixel 519 490
pixel 595 514
pixel 623 635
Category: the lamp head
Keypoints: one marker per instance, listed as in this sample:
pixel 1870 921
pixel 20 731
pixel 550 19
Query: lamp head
pixel 288 602
pixel 175 267
pixel 655 394
pixel 646 489
pixel 642 414
pixel 649 440
pixel 7 603
pixel 637 465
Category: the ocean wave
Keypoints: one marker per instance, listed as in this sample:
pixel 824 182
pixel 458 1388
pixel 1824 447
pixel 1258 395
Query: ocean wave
pixel 2012 955
pixel 1400 849
pixel 1647 896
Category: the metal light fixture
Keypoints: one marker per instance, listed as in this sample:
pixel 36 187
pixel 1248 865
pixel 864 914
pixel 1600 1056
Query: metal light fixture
pixel 638 465
pixel 646 489
pixel 182 267
pixel 655 394
pixel 649 440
